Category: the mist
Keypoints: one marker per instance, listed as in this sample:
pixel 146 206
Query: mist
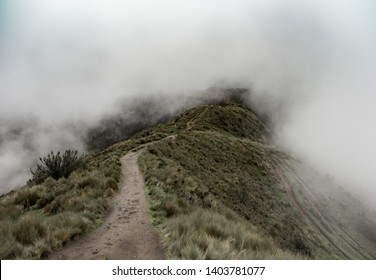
pixel 64 65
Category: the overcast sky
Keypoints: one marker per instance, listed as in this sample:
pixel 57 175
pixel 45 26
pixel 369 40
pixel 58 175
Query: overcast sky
pixel 70 60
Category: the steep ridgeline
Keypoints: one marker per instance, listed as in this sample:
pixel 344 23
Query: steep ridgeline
pixel 217 188
pixel 220 188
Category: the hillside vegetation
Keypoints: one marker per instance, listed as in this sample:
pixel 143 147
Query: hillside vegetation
pixel 221 170
pixel 217 186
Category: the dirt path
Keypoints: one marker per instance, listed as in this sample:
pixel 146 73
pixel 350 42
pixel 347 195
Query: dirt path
pixel 126 233
pixel 191 123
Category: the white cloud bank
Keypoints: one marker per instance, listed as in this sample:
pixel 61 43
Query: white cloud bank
pixel 69 60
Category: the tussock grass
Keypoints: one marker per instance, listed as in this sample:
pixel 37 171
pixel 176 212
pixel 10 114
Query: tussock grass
pixel 9 212
pixel 206 234
pixel 27 197
pixel 9 247
pixel 33 233
pixel 28 229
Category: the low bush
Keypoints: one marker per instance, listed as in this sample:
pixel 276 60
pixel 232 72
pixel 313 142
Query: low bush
pixel 56 166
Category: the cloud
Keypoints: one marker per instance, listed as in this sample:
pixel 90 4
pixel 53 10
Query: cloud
pixel 310 65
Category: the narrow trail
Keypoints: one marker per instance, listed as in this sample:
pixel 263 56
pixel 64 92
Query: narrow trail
pixel 125 233
pixel 191 123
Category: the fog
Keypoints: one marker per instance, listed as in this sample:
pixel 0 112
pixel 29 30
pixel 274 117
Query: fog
pixel 65 64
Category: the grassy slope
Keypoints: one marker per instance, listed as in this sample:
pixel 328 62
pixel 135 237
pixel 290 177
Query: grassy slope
pixel 42 218
pixel 218 188
pixel 39 219
pixel 221 170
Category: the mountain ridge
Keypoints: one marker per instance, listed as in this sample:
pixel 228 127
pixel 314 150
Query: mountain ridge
pixel 274 175
pixel 218 187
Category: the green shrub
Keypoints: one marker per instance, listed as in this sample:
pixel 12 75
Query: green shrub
pixel 56 166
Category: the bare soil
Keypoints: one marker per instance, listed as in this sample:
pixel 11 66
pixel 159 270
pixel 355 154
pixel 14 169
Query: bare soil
pixel 125 233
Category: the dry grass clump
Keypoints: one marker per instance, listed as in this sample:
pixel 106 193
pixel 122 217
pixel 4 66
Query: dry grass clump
pixel 206 234
pixel 27 197
pixel 28 229
pixel 35 235
pixel 9 247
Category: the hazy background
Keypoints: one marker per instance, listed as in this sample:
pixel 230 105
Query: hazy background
pixel 311 65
